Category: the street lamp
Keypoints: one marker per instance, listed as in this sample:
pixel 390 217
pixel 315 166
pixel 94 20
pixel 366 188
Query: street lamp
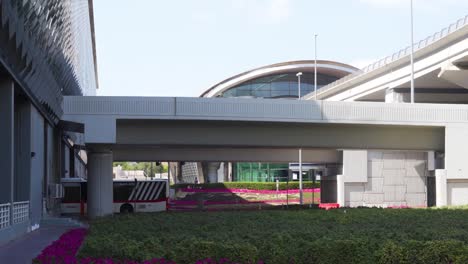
pixel 412 53
pixel 301 193
pixel 299 74
pixel 315 69
pixel 301 200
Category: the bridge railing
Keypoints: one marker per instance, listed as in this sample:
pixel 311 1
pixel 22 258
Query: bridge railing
pixel 402 53
pixel 96 110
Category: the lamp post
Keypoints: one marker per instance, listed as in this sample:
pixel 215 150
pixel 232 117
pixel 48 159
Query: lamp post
pixel 301 194
pixel 301 200
pixel 315 69
pixel 412 53
pixel 299 74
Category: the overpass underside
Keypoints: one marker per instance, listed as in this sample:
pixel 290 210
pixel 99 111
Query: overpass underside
pixel 228 134
pixel 373 165
pixel 388 154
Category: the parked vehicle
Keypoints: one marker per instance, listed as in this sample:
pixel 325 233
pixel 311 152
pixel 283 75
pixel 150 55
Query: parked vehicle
pixel 129 196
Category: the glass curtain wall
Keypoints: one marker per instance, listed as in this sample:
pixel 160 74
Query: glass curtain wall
pixel 260 172
pixel 266 172
pixel 279 86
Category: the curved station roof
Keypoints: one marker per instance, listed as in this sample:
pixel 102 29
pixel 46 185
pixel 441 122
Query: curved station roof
pixel 279 80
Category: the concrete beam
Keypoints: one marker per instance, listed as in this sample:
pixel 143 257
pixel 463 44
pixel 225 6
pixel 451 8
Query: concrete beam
pixel 138 153
pixel 277 135
pixel 454 74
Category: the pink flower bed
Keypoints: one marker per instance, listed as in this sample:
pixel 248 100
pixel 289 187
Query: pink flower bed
pixel 231 190
pixel 64 250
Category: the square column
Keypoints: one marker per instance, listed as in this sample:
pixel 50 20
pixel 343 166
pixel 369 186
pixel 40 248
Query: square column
pixel 100 184
pixel 340 190
pixel 213 171
pixel 441 187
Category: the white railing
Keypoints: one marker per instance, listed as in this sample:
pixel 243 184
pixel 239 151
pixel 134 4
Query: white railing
pixel 4 215
pixel 402 53
pixel 20 212
pixel 277 110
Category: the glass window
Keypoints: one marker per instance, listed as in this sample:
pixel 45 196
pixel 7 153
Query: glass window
pixel 279 89
pixel 263 94
pixel 279 85
pixel 122 190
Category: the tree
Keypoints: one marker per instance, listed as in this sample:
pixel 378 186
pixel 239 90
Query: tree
pixel 148 168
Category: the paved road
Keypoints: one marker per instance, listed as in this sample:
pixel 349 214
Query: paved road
pixel 27 247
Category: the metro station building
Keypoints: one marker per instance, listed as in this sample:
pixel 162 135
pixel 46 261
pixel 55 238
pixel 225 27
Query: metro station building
pixel 370 146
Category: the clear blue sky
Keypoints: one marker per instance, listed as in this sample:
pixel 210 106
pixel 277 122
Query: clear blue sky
pixel 182 47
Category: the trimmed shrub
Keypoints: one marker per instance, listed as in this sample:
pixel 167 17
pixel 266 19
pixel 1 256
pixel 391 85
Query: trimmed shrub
pixel 372 235
pixel 423 252
pixel 194 249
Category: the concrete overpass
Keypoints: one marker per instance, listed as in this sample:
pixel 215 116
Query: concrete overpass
pixel 216 129
pixel 440 64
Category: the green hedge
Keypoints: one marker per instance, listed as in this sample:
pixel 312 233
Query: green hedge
pixel 385 236
pixel 248 185
pixel 280 250
pixel 423 252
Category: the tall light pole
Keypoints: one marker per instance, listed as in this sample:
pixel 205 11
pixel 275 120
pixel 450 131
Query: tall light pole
pixel 315 69
pixel 299 74
pixel 412 54
pixel 301 199
pixel 301 194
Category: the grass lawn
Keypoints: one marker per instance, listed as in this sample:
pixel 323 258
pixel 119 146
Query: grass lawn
pixel 294 236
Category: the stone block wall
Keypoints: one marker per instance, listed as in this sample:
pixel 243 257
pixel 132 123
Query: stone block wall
pixel 395 178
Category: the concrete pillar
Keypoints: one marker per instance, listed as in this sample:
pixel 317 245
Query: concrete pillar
pixel 340 190
pixel 201 177
pixel 7 149
pixel 441 187
pixel 100 185
pixel 392 96
pixel 213 171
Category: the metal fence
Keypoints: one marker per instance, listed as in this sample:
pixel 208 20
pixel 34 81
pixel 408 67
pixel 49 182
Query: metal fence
pixel 4 215
pixel 20 212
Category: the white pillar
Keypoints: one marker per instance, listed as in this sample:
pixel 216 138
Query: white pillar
pixel 213 171
pixel 340 192
pixel 392 96
pixel 441 187
pixel 100 185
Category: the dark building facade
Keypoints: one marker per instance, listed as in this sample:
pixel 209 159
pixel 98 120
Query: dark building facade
pixel 47 51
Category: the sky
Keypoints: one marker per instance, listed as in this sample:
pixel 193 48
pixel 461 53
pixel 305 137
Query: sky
pixel 183 47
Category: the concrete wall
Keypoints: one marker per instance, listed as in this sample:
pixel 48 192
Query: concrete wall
pixel 395 178
pixel 457 192
pixel 456 151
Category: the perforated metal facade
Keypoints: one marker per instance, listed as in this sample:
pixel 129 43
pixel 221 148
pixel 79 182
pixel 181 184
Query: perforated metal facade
pixel 47 46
